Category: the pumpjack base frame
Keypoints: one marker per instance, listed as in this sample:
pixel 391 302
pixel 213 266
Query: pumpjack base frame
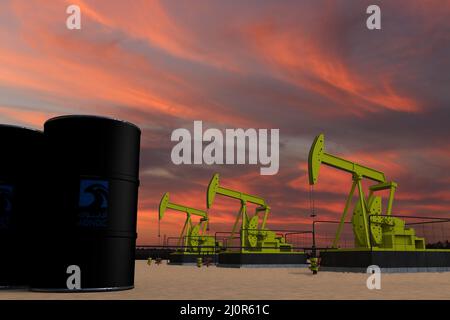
pixel 389 261
pixel 186 258
pixel 262 260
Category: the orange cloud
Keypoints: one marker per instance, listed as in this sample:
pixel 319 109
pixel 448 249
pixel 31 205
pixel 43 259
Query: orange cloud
pixel 78 69
pixel 153 23
pixel 298 59
pixel 29 118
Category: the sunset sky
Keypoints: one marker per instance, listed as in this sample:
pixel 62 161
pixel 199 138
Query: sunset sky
pixel 382 98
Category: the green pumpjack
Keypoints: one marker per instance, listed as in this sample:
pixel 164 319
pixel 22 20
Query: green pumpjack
pixel 194 241
pixel 258 244
pixel 373 230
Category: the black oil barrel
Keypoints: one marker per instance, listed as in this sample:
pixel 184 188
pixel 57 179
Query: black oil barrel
pixel 20 184
pixel 89 226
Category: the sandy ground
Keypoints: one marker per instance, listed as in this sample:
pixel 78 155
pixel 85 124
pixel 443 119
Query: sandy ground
pixel 189 282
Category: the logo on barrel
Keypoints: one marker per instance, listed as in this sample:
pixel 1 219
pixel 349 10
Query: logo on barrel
pixel 93 203
pixel 6 192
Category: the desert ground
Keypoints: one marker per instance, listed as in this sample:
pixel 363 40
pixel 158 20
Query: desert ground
pixel 190 282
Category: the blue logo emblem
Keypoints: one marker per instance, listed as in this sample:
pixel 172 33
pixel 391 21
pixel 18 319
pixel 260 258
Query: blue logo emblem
pixel 93 203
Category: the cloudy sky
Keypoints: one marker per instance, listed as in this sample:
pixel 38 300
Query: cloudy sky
pixel 382 98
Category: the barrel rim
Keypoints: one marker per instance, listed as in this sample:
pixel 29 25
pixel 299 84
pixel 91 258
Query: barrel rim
pixel 93 289
pixel 92 116
pixel 5 125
